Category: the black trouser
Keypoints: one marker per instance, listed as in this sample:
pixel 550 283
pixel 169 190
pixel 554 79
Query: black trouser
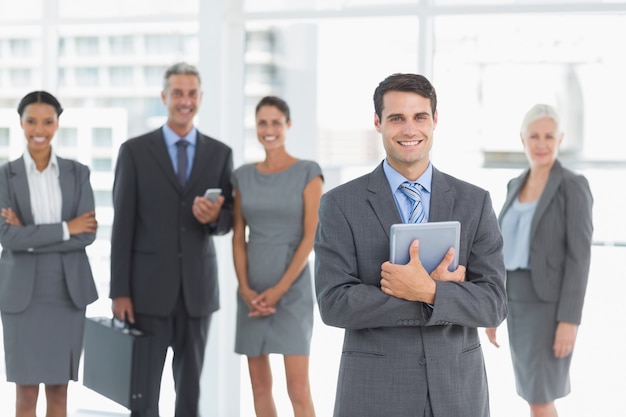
pixel 187 336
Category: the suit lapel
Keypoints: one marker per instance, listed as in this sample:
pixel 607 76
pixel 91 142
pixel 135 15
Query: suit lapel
pixel 158 149
pixel 381 198
pixel 19 184
pixel 513 191
pixel 554 180
pixel 441 198
pixel 199 164
pixel 67 177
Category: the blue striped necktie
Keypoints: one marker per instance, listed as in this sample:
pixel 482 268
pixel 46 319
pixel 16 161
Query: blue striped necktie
pixel 413 192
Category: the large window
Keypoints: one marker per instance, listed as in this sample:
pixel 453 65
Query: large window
pixel 490 60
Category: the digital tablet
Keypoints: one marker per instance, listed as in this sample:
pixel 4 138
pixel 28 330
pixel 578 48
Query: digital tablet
pixel 435 240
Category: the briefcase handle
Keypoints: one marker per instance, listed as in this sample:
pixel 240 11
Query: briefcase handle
pixel 125 326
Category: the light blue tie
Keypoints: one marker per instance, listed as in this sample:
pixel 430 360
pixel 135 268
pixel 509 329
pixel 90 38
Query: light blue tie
pixel 413 192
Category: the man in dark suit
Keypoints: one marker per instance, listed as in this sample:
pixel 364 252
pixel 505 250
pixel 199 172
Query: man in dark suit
pixel 411 345
pixel 163 261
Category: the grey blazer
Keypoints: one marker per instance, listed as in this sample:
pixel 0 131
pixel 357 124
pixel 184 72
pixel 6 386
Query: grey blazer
pixel 157 245
pixel 560 239
pixel 397 352
pixel 21 244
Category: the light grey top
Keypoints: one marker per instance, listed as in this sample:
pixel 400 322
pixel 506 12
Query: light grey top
pixel 516 224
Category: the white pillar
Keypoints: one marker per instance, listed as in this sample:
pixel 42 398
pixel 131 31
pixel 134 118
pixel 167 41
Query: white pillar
pixel 220 61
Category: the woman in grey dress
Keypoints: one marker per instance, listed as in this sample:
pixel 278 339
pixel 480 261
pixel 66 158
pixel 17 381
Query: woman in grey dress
pixel 277 201
pixel 47 219
pixel 547 229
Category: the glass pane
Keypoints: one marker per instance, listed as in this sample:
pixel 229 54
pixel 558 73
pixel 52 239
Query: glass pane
pixel 21 77
pixel 102 137
pixel 62 77
pixel 4 136
pixel 125 8
pixel 491 69
pixel 153 47
pixel 67 137
pixel 62 47
pixel 87 45
pixel 122 45
pixel 121 76
pixel 23 9
pixel 87 77
pixel 153 75
pixel 101 164
pixel 103 198
pixel 349 69
pixel 163 43
pixel 338 73
pixel 21 48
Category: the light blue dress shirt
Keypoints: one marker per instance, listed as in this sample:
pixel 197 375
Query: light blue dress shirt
pixel 516 224
pixel 403 202
pixel 170 141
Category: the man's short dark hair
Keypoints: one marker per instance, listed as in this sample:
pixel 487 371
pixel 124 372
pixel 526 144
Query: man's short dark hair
pixel 411 83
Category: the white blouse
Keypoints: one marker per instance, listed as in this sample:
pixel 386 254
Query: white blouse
pixel 45 192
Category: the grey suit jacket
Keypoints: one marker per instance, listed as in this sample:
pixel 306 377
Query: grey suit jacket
pixel 395 352
pixel 21 244
pixel 560 239
pixel 157 245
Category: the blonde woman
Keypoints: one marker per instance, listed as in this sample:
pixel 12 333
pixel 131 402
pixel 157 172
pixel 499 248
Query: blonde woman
pixel 547 228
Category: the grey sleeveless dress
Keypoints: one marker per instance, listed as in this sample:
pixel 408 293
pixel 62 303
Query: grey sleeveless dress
pixel 273 207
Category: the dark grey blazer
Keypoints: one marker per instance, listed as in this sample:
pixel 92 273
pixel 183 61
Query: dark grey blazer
pixel 395 352
pixel 560 239
pixel 21 244
pixel 157 245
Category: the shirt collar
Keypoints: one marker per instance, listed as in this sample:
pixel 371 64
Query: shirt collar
pixel 171 137
pixel 395 178
pixel 30 163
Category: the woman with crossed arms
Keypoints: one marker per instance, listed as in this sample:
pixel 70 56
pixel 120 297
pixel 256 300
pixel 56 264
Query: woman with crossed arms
pixel 47 220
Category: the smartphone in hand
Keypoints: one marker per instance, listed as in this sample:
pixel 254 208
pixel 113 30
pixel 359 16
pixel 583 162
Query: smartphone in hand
pixel 211 194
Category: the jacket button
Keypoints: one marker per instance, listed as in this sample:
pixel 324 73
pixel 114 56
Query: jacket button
pixel 422 361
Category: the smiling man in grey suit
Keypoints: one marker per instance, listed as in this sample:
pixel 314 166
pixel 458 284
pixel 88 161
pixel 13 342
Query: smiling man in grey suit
pixel 411 346
pixel 163 260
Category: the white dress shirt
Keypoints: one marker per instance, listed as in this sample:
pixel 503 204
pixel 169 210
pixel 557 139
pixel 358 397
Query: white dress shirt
pixel 45 192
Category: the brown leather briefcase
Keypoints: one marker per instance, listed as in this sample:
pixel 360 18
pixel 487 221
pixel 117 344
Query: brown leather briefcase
pixel 115 362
